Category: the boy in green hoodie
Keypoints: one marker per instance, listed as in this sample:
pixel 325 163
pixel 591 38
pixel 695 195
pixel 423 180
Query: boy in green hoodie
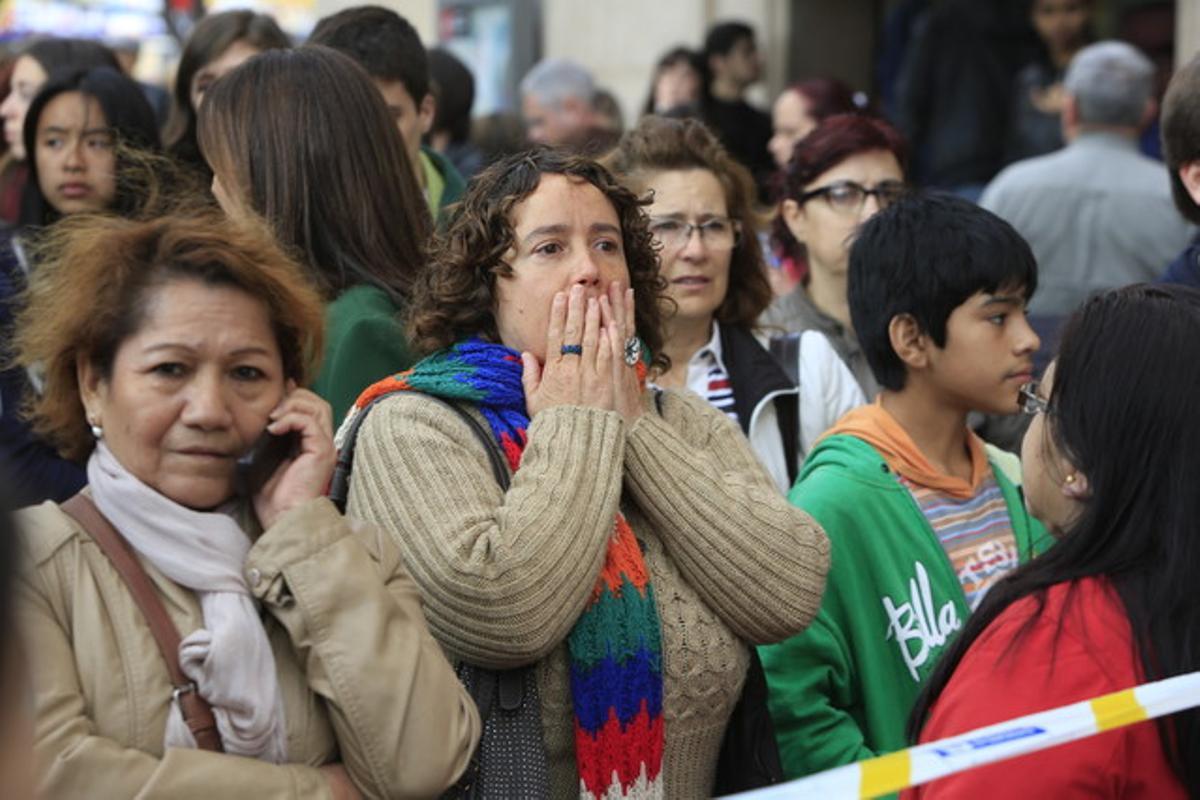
pixel 921 521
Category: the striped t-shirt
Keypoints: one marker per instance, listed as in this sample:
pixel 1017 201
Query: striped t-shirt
pixel 976 534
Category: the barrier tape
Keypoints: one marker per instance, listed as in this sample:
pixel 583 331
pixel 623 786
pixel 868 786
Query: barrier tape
pixel 1015 737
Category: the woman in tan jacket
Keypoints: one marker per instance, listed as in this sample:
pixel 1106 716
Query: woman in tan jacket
pixel 640 550
pixel 168 348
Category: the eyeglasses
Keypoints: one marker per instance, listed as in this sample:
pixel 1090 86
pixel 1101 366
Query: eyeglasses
pixel 1030 401
pixel 718 233
pixel 847 197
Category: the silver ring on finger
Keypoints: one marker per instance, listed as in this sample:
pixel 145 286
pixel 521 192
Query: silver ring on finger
pixel 633 351
pixel 572 350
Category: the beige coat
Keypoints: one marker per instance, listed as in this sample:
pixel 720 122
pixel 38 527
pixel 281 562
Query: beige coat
pixel 504 577
pixel 362 680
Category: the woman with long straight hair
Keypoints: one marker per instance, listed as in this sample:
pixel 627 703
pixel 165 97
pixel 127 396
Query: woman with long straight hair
pixel 115 120
pixel 218 44
pixel 302 138
pixel 1110 467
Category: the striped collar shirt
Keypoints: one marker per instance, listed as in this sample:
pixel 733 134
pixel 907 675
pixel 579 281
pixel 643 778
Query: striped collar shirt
pixel 707 376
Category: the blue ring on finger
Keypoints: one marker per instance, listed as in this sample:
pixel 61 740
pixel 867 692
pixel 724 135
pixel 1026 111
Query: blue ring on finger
pixel 572 349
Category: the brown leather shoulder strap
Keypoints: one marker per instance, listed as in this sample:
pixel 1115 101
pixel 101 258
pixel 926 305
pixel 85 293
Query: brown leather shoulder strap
pixel 197 713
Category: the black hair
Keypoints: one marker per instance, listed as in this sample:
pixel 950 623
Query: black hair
pixel 127 113
pixel 212 36
pixel 382 42
pixel 455 89
pixel 1180 123
pixel 671 58
pixel 1121 410
pixel 54 54
pixel 925 255
pixel 723 36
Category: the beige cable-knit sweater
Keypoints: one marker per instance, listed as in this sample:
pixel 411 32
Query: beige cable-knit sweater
pixel 505 576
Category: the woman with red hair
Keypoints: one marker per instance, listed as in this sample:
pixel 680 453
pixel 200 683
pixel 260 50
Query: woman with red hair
pixel 800 108
pixel 838 177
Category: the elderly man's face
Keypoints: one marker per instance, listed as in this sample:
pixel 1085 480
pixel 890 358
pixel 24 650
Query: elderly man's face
pixel 555 124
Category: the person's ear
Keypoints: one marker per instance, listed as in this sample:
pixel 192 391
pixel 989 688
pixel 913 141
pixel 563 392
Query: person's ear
pixel 1070 118
pixel 1075 486
pixel 795 218
pixel 1189 174
pixel 426 112
pixel 91 389
pixel 909 341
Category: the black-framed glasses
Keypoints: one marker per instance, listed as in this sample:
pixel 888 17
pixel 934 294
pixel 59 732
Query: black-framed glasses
pixel 848 196
pixel 1030 401
pixel 719 233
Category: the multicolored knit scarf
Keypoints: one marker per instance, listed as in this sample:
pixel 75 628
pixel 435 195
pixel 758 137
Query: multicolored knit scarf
pixel 615 649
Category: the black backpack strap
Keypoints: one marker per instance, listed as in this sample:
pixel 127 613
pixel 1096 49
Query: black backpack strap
pixel 787 414
pixel 339 485
pixel 786 350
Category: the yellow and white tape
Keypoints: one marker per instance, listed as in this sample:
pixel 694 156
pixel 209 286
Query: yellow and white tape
pixel 1016 737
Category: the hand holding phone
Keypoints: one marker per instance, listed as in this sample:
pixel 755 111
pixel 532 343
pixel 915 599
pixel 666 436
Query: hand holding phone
pixel 263 458
pixel 292 462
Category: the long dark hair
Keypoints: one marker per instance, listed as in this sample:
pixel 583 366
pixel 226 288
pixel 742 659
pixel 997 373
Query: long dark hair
pixel 127 114
pixel 211 37
pixel 674 57
pixel 304 137
pixel 1122 411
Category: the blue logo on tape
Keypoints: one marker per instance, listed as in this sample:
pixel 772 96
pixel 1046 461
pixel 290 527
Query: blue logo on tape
pixel 991 740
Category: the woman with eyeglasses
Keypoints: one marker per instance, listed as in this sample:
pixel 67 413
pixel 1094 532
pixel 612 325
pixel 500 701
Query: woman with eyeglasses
pixel 701 216
pixel 1110 467
pixel 839 176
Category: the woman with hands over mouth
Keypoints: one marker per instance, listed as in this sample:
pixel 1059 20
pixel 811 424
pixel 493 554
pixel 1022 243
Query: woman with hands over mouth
pixel 299 628
pixel 639 550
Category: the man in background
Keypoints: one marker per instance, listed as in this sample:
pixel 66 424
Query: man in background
pixel 733 63
pixel 1097 213
pixel 558 103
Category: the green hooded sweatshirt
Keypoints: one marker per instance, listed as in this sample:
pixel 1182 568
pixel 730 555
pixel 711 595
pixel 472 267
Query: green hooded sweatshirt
pixel 842 690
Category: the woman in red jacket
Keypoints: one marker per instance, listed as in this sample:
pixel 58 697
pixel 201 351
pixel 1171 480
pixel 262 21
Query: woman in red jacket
pixel 1110 466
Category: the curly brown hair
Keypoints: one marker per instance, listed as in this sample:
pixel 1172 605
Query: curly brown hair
pixel 109 266
pixel 455 296
pixel 662 143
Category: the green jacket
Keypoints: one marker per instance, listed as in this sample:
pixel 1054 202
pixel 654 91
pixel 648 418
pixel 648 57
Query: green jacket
pixel 842 690
pixel 364 342
pixel 443 185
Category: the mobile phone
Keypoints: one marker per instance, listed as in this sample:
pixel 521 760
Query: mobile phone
pixel 259 463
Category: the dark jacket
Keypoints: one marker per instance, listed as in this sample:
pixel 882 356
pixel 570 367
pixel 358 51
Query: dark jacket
pixel 1185 269
pixel 34 471
pixel 953 96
